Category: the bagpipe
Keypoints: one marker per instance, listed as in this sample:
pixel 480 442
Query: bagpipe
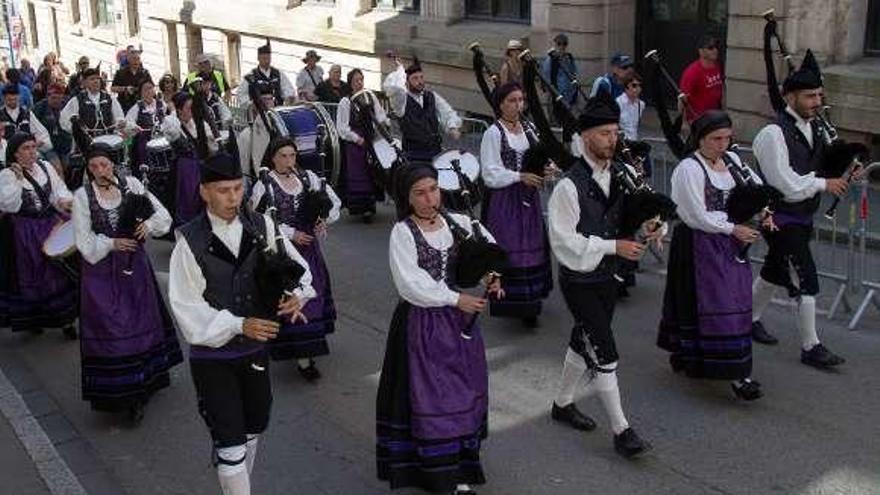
pixel 748 200
pixel 842 159
pixel 315 204
pixel 278 273
pixel 671 128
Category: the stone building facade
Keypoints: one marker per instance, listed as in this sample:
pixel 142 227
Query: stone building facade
pixel 359 33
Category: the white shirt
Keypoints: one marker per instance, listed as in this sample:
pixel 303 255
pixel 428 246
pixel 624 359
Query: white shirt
pixel 11 187
pixel 395 88
pixel 132 116
pixel 252 143
pixel 172 129
pixel 95 247
pixel 414 284
pixel 343 116
pixel 492 169
pixel 199 322
pixel 688 192
pixel 72 108
pixel 287 89
pixel 259 190
pixel 630 115
pixel 307 80
pixel 771 154
pixel 573 250
pixel 44 140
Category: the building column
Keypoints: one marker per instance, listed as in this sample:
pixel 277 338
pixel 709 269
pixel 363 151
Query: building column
pixel 443 11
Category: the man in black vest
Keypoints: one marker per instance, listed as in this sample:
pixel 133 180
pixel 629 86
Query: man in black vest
pixel 17 118
pixel 423 113
pixel 213 293
pixel 584 215
pixel 98 112
pixel 266 76
pixel 790 152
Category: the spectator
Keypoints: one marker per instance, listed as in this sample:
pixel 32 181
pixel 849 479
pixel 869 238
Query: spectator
pixel 52 71
pixel 128 79
pixel 168 87
pixel 631 110
pixel 74 84
pixel 554 69
pixel 512 69
pixel 25 99
pixel 334 88
pixel 702 82
pixel 219 84
pixel 27 76
pixel 309 78
pixel 621 68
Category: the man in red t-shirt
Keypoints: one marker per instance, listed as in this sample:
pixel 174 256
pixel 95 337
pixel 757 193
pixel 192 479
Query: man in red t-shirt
pixel 702 82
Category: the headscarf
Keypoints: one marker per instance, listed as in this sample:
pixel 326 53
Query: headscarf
pixel 404 180
pixel 14 143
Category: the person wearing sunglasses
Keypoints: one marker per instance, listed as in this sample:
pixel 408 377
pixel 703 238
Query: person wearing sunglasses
pixel 702 82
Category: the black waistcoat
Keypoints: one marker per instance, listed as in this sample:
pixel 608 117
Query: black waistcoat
pixel 600 216
pixel 89 113
pixel 273 82
pixel 420 127
pixel 21 124
pixel 803 159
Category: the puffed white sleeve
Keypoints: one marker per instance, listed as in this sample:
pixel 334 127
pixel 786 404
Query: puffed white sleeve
pixel 494 174
pixel 379 111
pixel 305 291
pixel 116 108
pixel 159 222
pixel 171 128
pixel 10 191
pixel 395 87
pixel 69 110
pixel 199 322
pixel 287 89
pixel 447 115
pixel 243 94
pixel 93 247
pixel 772 155
pixel 343 114
pixel 688 186
pixel 337 203
pixel 413 283
pixel 572 249
pixel 60 192
pixel 131 117
pixel 44 139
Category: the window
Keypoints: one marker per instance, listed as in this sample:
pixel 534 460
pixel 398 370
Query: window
pixel 406 5
pixel 512 10
pixel 102 13
pixel 32 25
pixel 74 11
pixel 134 22
pixel 872 33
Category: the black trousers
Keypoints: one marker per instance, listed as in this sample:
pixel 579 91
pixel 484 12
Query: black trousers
pixel 234 396
pixel 790 247
pixel 592 306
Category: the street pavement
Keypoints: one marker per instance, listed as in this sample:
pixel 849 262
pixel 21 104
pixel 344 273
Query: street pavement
pixel 813 432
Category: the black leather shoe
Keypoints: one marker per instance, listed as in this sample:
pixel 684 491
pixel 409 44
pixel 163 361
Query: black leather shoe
pixel 820 357
pixel 622 292
pixel 570 414
pixel 629 444
pixel 136 413
pixel 761 335
pixel 310 373
pixel 747 390
pixel 368 217
pixel 69 332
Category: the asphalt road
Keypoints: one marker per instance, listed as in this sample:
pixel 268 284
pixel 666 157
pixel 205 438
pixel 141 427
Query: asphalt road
pixel 812 433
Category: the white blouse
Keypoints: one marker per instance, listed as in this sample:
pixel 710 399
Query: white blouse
pixel 172 128
pixel 395 87
pixel 414 284
pixel 492 169
pixel 95 247
pixel 11 187
pixel 771 153
pixel 343 116
pixel 259 190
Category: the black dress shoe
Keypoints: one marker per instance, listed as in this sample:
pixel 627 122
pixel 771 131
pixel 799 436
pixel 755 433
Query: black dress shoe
pixel 69 332
pixel 570 414
pixel 367 217
pixel 761 335
pixel 310 373
pixel 622 292
pixel 136 413
pixel 820 357
pixel 747 390
pixel 629 444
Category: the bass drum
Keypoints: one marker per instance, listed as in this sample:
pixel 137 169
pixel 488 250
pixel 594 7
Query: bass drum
pixel 316 138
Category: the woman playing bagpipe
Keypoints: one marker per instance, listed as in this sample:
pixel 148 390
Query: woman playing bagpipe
pixel 512 209
pixel 356 121
pixel 431 409
pixel 34 200
pixel 191 146
pixel 128 341
pixel 305 206
pixel 707 306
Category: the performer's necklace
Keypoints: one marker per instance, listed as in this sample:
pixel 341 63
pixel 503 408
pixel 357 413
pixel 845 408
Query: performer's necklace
pixel 431 220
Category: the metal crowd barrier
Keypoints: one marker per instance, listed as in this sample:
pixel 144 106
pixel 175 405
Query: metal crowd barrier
pixel 846 249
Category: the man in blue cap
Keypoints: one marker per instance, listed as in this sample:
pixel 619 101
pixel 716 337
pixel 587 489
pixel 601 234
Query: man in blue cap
pixel 621 69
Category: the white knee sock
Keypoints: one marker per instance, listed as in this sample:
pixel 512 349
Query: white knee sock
pixel 806 310
pixel 762 294
pixel 232 471
pixel 462 487
pixel 572 370
pixel 304 363
pixel 252 441
pixel 609 394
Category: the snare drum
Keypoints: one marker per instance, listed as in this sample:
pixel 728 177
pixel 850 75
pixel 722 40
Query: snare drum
pixel 60 247
pixel 159 160
pixel 385 153
pixel 449 182
pixel 303 123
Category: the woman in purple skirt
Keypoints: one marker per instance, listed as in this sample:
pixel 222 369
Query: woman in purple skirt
pixel 180 129
pixel 431 409
pixel 37 292
pixel 707 307
pixel 303 340
pixel 127 337
pixel 512 211
pixel 357 129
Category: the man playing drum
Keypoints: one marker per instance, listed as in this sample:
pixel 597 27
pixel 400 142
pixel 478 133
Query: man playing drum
pixel 35 200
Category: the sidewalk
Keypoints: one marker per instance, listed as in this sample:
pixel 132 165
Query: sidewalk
pixel 17 470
